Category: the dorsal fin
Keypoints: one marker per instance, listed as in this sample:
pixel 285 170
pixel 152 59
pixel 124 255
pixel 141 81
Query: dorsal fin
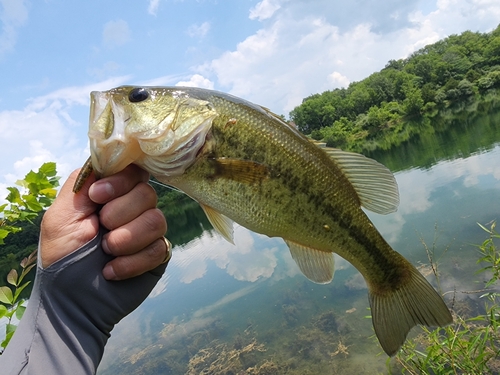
pixel 316 265
pixel 317 143
pixel 375 184
pixel 221 223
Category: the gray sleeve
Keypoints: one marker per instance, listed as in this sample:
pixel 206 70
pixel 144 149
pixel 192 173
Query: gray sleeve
pixel 71 313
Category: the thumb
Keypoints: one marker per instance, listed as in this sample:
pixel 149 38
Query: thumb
pixel 69 223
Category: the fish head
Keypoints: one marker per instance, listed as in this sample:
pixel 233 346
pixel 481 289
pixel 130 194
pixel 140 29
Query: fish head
pixel 158 128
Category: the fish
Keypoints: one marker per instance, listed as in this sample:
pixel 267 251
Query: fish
pixel 244 164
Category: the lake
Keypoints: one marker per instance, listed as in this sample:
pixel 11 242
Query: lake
pixel 247 309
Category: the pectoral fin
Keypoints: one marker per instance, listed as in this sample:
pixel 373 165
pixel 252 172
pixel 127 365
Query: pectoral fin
pixel 316 265
pixel 244 171
pixel 221 223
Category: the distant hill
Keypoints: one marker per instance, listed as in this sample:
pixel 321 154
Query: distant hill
pixel 458 69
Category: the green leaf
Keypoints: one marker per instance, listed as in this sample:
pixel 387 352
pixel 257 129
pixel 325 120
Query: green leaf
pixel 48 169
pixel 3 311
pixel 27 216
pixel 33 178
pixel 14 196
pixel 32 203
pixel 8 336
pixel 22 183
pixel 19 290
pixel 3 233
pixel 25 272
pixel 20 312
pixel 12 277
pixel 6 295
pixel 48 192
pixel 10 328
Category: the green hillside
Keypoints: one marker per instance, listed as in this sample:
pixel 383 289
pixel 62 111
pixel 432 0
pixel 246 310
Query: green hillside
pixel 392 105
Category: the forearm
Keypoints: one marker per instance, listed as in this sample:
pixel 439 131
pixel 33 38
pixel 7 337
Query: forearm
pixel 71 313
pixel 55 336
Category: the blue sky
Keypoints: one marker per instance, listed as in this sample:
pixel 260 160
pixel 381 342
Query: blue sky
pixel 271 52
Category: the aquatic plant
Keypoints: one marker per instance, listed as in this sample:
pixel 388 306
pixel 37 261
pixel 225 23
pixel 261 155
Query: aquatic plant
pixel 219 359
pixel 471 345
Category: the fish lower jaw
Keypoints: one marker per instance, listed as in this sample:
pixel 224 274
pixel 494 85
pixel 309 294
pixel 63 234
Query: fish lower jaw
pixel 113 157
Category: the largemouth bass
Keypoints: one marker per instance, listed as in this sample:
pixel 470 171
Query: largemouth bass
pixel 242 163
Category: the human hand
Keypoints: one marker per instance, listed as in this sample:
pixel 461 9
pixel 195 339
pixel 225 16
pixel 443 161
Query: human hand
pixel 110 230
pixel 136 227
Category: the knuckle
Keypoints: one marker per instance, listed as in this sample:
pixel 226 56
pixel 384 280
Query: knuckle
pixel 156 251
pixel 124 268
pixel 146 194
pixel 116 240
pixel 155 221
pixel 107 218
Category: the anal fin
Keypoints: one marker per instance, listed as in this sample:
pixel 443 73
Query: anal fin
pixel 318 266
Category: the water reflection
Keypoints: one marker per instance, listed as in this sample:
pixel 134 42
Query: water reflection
pixel 421 189
pixel 239 260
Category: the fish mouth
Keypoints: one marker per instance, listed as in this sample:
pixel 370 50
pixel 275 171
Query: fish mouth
pixel 111 149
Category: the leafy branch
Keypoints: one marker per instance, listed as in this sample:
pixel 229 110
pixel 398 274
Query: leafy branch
pixel 9 296
pixel 38 191
pixel 38 194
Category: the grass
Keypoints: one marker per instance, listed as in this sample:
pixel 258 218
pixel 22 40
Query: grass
pixel 471 345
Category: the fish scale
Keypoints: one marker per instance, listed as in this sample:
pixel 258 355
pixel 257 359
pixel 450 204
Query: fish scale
pixel 243 164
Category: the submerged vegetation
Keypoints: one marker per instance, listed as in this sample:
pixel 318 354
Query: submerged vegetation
pixel 329 340
pixel 395 104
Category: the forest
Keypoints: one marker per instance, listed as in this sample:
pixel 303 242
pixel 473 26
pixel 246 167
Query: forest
pixel 394 104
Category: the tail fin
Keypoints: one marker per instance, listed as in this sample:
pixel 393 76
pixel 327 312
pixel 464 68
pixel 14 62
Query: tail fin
pixel 395 313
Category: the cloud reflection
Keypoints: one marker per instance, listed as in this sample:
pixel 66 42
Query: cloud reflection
pixel 242 260
pixel 416 187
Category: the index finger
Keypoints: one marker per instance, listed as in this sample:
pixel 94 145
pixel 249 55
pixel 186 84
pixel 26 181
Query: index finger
pixel 111 187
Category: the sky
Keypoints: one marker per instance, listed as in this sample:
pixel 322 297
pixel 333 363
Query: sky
pixel 53 53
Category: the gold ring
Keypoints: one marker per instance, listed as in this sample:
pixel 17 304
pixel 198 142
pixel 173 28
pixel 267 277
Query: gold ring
pixel 169 253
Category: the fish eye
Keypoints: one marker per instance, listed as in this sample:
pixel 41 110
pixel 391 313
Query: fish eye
pixel 138 94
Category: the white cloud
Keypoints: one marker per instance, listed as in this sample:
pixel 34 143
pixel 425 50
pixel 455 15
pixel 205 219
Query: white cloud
pixel 197 80
pixel 46 130
pixel 168 80
pixel 264 10
pixel 13 15
pixel 153 7
pixel 338 80
pixel 198 31
pixel 116 33
pixel 294 54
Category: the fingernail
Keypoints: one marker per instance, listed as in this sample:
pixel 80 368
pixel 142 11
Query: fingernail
pixel 101 191
pixel 104 245
pixel 109 273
